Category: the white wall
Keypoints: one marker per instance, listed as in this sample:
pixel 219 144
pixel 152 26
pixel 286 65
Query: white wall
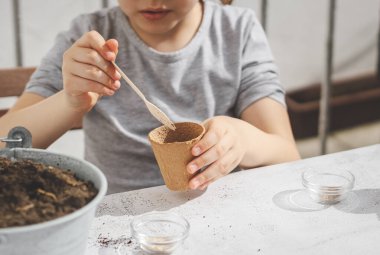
pixel 7 57
pixel 42 19
pixel 297 32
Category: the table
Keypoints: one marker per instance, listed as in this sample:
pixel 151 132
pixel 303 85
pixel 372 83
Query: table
pixel 258 212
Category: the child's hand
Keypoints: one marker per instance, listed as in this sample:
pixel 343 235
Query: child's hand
pixel 221 149
pixel 87 71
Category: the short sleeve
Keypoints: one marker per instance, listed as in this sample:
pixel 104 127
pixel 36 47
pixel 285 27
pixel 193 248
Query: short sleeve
pixel 259 76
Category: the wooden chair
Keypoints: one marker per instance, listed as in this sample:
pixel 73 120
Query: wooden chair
pixel 13 81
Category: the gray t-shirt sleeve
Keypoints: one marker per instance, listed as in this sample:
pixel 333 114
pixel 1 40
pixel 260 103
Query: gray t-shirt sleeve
pixel 259 77
pixel 47 79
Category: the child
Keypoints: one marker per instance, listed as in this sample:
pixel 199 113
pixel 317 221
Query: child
pixel 197 61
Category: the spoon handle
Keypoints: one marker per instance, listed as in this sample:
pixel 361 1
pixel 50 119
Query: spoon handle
pixel 129 82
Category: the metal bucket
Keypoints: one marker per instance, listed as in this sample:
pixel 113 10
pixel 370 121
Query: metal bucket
pixel 66 235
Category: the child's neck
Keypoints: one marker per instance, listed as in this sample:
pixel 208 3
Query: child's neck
pixel 178 37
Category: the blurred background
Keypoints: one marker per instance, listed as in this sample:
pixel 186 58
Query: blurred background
pixel 298 32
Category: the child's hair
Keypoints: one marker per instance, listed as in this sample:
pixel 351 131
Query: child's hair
pixel 226 1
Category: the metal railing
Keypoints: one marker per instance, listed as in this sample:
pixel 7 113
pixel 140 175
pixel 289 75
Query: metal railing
pixel 17 32
pixel 264 13
pixel 105 3
pixel 324 106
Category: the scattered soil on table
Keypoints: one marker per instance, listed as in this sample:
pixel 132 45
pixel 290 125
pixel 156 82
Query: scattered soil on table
pixel 105 241
pixel 32 192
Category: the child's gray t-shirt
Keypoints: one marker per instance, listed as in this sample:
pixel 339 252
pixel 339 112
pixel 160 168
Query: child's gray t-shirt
pixel 226 67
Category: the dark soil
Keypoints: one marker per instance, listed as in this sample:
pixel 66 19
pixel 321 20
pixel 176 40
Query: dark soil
pixel 32 192
pixel 104 241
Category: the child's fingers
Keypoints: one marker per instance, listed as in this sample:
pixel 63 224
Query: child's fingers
pixel 216 170
pixel 203 186
pixel 92 57
pixel 95 41
pixel 211 155
pixel 211 138
pixel 89 86
pixel 113 45
pixel 93 49
pixel 90 72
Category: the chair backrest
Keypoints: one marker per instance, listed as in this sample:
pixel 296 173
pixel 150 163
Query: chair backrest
pixel 13 81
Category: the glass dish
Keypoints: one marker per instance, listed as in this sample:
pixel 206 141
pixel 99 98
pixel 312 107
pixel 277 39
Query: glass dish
pixel 328 187
pixel 160 232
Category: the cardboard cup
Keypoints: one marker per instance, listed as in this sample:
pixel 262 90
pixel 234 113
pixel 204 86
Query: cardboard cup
pixel 172 150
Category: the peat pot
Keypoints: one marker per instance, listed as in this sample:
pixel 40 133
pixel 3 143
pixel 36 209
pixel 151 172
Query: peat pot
pixel 66 235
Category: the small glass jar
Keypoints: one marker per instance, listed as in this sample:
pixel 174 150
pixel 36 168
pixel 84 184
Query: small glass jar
pixel 160 232
pixel 328 187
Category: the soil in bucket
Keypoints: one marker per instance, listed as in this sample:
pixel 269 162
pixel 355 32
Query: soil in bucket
pixel 31 192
